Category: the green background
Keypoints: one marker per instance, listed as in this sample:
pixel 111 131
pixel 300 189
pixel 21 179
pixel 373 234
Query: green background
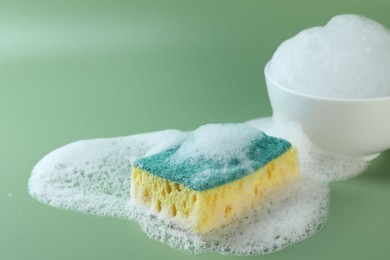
pixel 73 70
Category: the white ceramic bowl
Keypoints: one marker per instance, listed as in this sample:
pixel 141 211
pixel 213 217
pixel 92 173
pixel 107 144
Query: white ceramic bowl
pixel 345 126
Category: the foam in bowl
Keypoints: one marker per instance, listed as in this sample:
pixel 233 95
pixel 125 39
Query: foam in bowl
pixel 347 58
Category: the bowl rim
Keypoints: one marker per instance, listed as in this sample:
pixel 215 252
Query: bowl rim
pixel 328 99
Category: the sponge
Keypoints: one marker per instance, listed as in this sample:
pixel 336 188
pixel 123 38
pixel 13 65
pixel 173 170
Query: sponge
pixel 203 193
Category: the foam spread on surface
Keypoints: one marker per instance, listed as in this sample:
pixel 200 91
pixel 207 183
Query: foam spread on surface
pixel 349 57
pixel 93 176
pixel 215 154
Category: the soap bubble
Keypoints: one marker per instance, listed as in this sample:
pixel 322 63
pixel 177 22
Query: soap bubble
pixel 348 58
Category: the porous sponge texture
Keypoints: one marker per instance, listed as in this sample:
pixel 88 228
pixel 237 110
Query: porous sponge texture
pixel 209 209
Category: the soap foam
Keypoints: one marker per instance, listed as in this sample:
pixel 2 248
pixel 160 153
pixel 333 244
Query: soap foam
pixel 349 58
pixel 284 217
pixel 217 145
pixel 93 176
pixel 219 142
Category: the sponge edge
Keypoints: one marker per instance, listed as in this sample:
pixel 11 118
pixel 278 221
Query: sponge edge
pixel 206 210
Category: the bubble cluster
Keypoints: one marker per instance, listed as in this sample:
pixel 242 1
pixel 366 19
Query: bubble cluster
pixel 219 142
pixel 94 175
pixel 347 58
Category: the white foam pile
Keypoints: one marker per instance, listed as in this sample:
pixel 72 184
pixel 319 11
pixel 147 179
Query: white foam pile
pixel 218 142
pixel 349 58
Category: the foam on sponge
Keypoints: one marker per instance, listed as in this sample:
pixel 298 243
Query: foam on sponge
pixel 214 155
pixel 206 189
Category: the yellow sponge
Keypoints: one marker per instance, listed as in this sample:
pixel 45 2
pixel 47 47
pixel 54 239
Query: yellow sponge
pixel 204 210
